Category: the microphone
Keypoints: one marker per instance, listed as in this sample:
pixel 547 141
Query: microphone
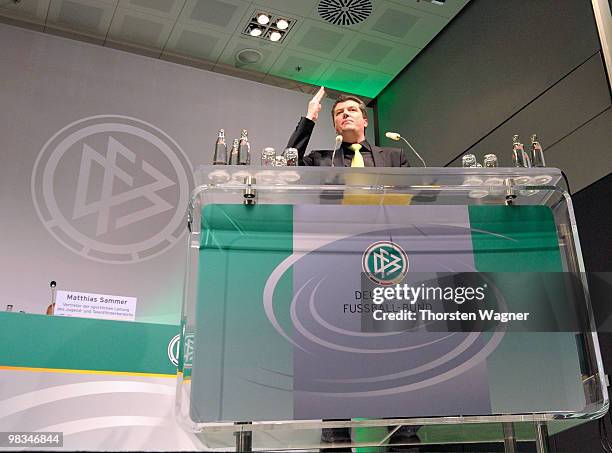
pixel 51 307
pixel 336 146
pixel 395 136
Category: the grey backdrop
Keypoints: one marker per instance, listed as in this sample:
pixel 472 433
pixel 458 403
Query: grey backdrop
pixel 109 137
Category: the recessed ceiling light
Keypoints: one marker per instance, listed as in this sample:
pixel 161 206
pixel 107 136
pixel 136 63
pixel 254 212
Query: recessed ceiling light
pixel 268 26
pixel 248 56
pixel 263 19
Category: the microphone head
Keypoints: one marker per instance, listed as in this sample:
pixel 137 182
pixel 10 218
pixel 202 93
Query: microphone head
pixel 52 284
pixel 393 135
pixel 338 140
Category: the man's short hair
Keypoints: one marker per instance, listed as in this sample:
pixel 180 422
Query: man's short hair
pixel 344 98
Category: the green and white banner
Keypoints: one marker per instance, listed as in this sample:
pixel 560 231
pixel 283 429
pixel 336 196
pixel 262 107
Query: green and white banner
pixel 280 332
pixel 106 385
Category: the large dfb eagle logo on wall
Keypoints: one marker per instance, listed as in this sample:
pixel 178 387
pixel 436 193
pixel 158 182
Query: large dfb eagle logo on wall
pixel 112 188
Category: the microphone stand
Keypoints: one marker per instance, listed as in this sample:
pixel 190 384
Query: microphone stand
pixel 414 151
pixel 336 146
pixel 52 284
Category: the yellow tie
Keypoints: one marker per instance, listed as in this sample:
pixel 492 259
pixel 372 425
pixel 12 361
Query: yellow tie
pixel 357 158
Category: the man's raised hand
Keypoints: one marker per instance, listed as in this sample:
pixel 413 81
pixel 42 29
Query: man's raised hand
pixel 314 106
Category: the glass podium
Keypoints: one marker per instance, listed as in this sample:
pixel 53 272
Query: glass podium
pixel 280 345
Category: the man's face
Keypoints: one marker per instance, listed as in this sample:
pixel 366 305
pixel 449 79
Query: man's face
pixel 348 119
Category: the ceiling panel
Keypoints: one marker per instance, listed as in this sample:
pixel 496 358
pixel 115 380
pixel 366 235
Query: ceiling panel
pixel 142 29
pixel 92 17
pixel 402 24
pixel 196 42
pixel 354 79
pixel 29 10
pixel 448 10
pixel 319 38
pixel 300 66
pixel 393 22
pixel 301 8
pixel 221 15
pixel 378 54
pixel 168 9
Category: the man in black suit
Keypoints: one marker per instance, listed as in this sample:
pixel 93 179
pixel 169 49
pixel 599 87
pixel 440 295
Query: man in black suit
pixel 350 119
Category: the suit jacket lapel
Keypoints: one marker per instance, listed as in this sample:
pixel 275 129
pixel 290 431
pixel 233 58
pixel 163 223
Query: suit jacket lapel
pixel 378 157
pixel 339 157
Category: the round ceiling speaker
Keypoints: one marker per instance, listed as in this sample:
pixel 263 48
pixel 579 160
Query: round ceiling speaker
pixel 345 12
pixel 249 56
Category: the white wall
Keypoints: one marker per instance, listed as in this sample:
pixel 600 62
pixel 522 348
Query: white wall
pixel 157 112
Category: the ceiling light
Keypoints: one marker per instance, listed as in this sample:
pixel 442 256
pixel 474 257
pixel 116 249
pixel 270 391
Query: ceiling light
pixel 282 24
pixel 268 26
pixel 248 57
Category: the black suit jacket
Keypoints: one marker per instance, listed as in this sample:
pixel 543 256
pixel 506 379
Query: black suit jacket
pixel 383 157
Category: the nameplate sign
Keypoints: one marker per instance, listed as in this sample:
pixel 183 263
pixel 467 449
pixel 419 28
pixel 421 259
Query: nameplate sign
pixel 97 306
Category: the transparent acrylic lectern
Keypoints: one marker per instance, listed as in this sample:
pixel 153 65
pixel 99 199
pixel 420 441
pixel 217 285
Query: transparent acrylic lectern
pixel 283 266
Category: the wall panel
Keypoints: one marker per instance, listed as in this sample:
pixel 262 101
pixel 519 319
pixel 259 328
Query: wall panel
pixel 490 62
